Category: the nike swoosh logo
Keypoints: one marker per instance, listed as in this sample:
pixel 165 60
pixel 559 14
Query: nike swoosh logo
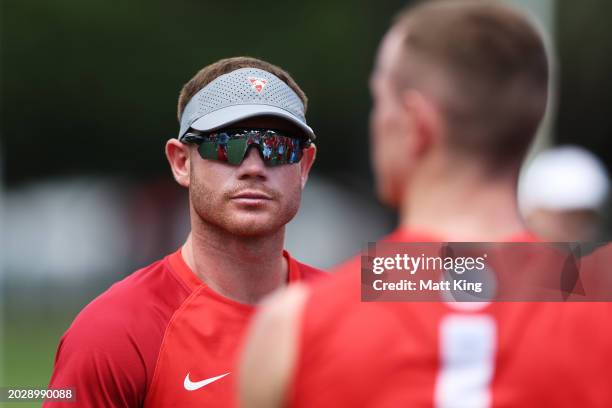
pixel 192 386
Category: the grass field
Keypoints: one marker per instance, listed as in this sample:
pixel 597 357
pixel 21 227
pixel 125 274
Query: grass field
pixel 35 317
pixel 29 350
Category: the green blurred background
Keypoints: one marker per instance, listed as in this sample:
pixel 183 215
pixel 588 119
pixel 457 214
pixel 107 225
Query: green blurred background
pixel 89 89
pixel 91 86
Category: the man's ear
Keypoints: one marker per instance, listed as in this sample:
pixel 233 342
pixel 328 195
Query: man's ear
pixel 177 154
pixel 426 122
pixel 308 159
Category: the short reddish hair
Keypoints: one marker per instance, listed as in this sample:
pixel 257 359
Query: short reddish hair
pixel 493 65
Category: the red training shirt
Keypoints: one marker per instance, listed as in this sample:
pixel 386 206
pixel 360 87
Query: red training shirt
pixel 158 338
pixel 425 354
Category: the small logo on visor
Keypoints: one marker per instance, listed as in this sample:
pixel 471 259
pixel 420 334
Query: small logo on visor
pixel 257 84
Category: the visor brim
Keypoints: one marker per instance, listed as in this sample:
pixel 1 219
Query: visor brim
pixel 226 116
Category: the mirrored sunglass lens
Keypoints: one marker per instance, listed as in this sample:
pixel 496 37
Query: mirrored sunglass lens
pixel 208 150
pixel 275 149
pixel 293 151
pixel 281 150
pixel 284 150
pixel 236 149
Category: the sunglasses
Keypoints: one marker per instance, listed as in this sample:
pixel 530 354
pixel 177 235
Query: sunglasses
pixel 231 145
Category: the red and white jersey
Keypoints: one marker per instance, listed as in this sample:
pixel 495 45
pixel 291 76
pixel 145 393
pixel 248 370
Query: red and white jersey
pixel 159 338
pixel 431 354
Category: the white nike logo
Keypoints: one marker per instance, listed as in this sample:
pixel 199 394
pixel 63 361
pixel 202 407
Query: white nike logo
pixel 192 386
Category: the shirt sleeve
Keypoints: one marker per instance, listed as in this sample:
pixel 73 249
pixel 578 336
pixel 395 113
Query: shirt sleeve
pixel 100 361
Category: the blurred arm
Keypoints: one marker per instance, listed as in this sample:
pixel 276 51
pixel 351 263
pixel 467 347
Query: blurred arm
pixel 271 350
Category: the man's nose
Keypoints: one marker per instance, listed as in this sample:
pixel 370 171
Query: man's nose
pixel 252 165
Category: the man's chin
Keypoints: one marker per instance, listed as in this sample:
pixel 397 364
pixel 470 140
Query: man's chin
pixel 253 226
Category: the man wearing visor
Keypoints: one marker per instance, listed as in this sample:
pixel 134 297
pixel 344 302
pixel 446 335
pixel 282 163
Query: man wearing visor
pixel 167 335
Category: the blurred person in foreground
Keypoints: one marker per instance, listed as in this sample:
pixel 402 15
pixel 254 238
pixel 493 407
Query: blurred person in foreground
pixel 459 90
pixel 167 335
pixel 563 194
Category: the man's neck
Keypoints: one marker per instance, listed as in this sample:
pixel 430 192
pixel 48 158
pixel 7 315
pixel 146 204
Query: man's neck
pixel 463 206
pixel 244 269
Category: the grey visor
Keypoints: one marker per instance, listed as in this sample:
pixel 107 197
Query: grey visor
pixel 242 94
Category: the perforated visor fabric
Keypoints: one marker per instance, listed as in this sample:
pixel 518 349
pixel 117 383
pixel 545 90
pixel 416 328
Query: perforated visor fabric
pixel 242 94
